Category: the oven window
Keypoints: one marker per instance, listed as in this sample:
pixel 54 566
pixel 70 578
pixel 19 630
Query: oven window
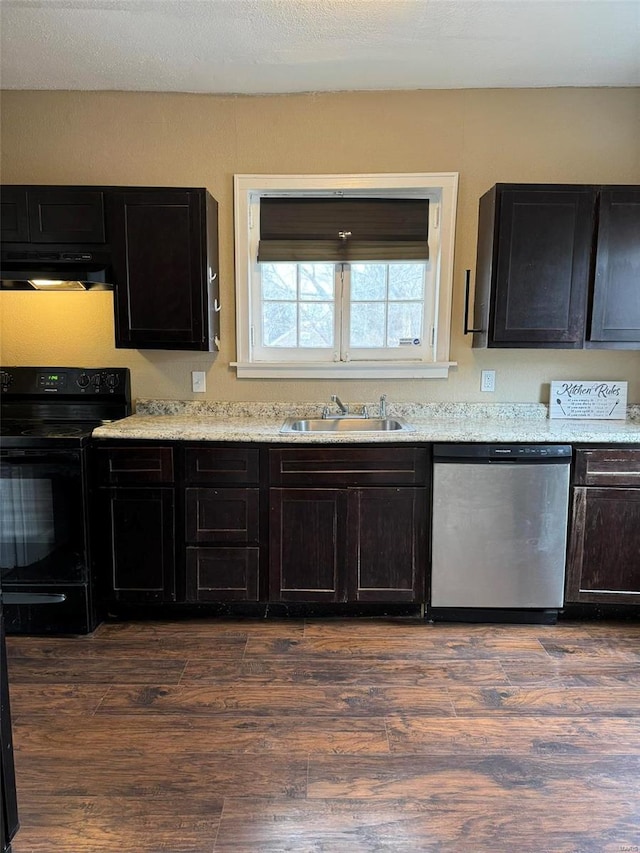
pixel 42 529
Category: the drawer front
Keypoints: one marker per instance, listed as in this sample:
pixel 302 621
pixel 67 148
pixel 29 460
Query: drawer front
pixel 222 574
pixel 122 465
pixel 346 466
pixel 608 467
pixel 222 465
pixel 221 515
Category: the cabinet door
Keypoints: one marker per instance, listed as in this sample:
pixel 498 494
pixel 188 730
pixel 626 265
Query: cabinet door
pixel 307 555
pixel 66 216
pixel 159 243
pixel 387 531
pixel 222 574
pixel 541 273
pixel 141 555
pixel 604 546
pixel 14 220
pixel 616 294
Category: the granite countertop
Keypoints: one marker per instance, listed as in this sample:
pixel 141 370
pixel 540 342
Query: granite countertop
pixel 171 420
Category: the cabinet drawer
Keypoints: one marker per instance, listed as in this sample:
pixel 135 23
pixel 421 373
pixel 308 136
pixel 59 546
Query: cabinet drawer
pixel 348 466
pixel 123 465
pixel 607 467
pixel 222 574
pixel 221 465
pixel 222 515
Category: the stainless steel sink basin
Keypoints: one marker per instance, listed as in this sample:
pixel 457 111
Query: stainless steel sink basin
pixel 346 425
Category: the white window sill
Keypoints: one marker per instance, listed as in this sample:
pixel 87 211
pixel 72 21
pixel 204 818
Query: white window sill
pixel 343 370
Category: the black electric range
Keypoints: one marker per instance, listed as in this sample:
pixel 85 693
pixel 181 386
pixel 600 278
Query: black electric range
pixel 47 415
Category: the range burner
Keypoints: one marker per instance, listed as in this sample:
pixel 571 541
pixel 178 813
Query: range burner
pixel 60 431
pixel 24 432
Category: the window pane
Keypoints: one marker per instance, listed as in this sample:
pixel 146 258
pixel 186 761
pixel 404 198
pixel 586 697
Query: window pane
pixel 405 322
pixel 368 281
pixel 317 281
pixel 367 324
pixel 316 325
pixel 406 281
pixel 279 324
pixel 278 281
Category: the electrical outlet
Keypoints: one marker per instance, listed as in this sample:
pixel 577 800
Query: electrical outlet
pixel 488 380
pixel 198 381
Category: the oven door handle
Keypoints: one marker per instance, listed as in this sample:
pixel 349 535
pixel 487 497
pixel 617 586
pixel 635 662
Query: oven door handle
pixel 18 456
pixel 32 597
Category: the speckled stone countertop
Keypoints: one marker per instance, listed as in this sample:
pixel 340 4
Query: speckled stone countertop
pixel 171 420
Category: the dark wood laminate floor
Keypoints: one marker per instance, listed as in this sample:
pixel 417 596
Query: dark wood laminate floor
pixel 329 737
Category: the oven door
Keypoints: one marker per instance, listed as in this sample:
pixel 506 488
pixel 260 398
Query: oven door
pixel 43 538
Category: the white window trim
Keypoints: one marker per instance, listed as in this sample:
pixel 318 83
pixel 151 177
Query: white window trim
pixel 446 183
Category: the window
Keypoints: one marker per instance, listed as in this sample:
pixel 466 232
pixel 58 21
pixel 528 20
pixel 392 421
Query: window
pixel 344 275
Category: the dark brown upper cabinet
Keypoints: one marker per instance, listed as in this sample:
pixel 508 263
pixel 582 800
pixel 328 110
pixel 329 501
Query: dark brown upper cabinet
pixel 52 215
pixel 165 260
pixel 557 267
pixel 615 319
pixel 157 246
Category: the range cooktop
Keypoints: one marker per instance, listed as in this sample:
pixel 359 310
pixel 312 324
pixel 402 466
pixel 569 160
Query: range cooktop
pixel 59 406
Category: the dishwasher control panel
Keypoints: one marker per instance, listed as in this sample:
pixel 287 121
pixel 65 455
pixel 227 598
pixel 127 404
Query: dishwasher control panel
pixel 508 452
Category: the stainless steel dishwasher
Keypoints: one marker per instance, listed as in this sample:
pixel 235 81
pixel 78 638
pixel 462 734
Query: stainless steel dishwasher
pixel 499 531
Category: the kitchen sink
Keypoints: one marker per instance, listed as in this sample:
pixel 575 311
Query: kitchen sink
pixel 346 425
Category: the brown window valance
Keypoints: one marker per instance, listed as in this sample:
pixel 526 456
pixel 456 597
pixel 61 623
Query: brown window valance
pixel 343 229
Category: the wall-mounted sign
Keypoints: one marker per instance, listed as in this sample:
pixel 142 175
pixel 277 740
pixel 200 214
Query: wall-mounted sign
pixel 579 399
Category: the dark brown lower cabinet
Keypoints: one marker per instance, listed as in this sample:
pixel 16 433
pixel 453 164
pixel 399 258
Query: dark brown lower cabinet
pixel 386 535
pixel 604 544
pixel 134 522
pixel 142 544
pixel 307 545
pixel 190 523
pixel 354 544
pixel 604 556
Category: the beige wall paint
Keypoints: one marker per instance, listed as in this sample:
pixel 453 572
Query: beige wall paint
pixel 146 139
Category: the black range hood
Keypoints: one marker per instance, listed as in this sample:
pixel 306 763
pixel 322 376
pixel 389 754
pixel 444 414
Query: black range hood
pixel 56 271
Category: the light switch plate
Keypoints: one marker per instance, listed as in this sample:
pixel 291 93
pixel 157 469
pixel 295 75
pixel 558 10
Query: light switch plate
pixel 198 381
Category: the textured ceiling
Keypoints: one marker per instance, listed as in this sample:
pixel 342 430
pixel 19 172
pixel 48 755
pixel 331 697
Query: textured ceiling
pixel 265 46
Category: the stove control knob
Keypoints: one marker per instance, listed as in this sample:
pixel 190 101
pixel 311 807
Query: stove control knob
pixel 112 380
pixel 5 379
pixel 96 380
pixel 83 380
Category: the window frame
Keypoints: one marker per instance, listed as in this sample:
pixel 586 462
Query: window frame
pixel 440 187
